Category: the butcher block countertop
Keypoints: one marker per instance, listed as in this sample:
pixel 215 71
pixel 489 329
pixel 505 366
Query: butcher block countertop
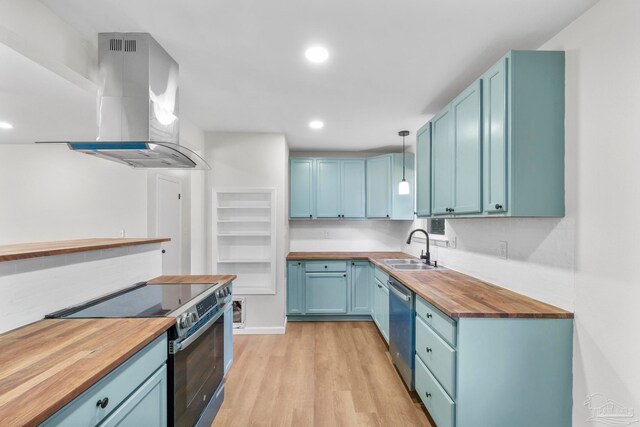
pixel 40 249
pixel 192 279
pixel 47 364
pixel 454 293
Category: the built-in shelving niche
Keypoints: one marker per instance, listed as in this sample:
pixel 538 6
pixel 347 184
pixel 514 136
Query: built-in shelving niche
pixel 245 238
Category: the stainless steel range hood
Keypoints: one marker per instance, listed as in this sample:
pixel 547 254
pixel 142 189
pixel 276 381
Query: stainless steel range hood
pixel 138 120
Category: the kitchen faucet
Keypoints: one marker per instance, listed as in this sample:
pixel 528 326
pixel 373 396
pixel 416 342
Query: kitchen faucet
pixel 426 257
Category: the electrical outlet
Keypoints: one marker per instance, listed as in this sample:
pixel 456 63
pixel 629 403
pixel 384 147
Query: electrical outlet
pixel 122 233
pixel 453 242
pixel 502 249
pixel 326 234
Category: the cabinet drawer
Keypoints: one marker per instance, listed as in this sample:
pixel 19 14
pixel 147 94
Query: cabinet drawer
pixel 435 398
pixel 116 386
pixel 382 276
pixel 439 357
pixel 316 266
pixel 440 322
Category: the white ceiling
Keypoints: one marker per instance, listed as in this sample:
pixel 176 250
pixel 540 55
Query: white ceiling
pixel 393 63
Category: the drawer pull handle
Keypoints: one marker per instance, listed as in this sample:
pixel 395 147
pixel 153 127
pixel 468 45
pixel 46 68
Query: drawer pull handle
pixel 325 266
pixel 429 315
pixel 429 350
pixel 427 394
pixel 102 403
pixel 498 206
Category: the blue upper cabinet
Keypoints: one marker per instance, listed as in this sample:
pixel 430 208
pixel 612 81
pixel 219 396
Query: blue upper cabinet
pixel 378 187
pixel 352 198
pixel 498 148
pixel 384 173
pixel 442 162
pixel 328 188
pixel 467 139
pixel 494 85
pixel 533 116
pixel 423 171
pixel 301 188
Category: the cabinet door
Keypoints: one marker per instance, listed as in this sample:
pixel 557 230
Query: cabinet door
pixel 325 293
pixel 328 188
pixel 494 90
pixel 379 187
pixel 147 406
pixel 384 312
pixel 228 337
pixel 301 188
pixel 442 151
pixel 360 286
pixel 467 119
pixel 353 189
pixel 294 287
pixel 423 172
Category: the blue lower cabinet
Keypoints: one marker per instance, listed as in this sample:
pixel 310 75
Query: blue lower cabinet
pixel 440 406
pixel 295 287
pixel 325 293
pixel 134 394
pixel 147 406
pixel 228 337
pixel 360 287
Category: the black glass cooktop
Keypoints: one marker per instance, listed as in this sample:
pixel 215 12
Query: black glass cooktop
pixel 138 301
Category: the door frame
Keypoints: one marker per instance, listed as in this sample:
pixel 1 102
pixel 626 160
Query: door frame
pixel 179 182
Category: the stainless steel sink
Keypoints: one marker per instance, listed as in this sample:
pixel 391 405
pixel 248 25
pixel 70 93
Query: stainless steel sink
pixel 407 264
pixel 402 261
pixel 412 267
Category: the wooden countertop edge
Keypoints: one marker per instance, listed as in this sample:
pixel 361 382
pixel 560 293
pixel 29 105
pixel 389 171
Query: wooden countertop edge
pixel 93 379
pixel 321 256
pixel 27 250
pixel 193 279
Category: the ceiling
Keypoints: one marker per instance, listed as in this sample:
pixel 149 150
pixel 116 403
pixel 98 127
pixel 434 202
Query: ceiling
pixel 393 63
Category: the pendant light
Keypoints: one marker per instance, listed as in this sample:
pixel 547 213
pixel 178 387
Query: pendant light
pixel 403 187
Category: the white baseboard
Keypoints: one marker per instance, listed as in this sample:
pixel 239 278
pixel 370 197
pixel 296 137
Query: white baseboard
pixel 271 330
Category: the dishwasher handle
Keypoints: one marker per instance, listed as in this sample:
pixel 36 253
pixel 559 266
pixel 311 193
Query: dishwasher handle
pixel 401 295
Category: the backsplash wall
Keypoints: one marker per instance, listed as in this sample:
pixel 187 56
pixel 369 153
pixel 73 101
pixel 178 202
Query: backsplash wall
pixel 347 235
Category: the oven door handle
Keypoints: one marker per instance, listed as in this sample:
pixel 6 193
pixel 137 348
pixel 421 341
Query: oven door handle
pixel 176 346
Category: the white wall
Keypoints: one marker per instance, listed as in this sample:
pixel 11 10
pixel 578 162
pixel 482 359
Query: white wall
pixel 587 261
pixel 50 193
pixel 31 288
pixel 253 160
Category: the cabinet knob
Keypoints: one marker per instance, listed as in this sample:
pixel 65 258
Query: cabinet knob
pixel 498 206
pixel 102 403
pixel 344 275
pixel 325 266
pixel 387 215
pixel 299 263
pixel 164 251
pixel 429 315
pixel 427 394
pixel 310 216
pixel 428 349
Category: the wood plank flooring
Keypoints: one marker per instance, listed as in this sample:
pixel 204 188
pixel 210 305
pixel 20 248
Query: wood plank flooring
pixel 317 374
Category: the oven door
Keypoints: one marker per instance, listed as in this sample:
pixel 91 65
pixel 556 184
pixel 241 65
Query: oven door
pixel 196 371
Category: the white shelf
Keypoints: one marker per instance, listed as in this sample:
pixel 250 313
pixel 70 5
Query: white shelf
pixel 245 222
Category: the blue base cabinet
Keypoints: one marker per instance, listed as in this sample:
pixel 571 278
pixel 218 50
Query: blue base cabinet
pixel 136 392
pixel 493 372
pixel 360 287
pixel 497 149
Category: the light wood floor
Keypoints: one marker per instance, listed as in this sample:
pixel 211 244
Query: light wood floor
pixel 317 374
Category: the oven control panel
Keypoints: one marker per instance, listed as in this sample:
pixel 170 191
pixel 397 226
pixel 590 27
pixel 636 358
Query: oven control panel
pixel 195 316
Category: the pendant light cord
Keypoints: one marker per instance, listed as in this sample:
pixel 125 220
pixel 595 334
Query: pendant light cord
pixel 403 162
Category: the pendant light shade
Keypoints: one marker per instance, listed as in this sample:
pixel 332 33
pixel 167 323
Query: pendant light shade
pixel 403 187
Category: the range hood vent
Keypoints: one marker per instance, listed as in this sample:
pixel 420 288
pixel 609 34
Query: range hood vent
pixel 138 97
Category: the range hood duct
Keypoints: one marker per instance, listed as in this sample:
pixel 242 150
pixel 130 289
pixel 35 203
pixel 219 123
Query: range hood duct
pixel 138 97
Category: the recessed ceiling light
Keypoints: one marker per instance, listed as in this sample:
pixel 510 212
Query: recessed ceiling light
pixel 317 54
pixel 316 124
pixel 5 125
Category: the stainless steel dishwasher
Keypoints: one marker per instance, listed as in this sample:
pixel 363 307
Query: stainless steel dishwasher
pixel 402 311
